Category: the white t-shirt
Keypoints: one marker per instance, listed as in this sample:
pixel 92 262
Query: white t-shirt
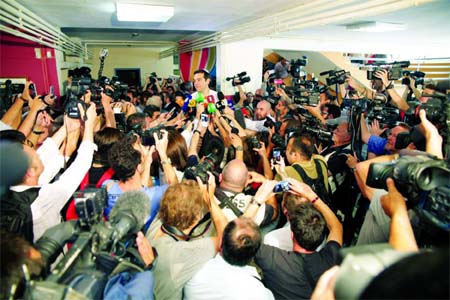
pixel 217 279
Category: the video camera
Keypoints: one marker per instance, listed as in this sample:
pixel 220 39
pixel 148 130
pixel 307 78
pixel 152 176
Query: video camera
pixel 388 116
pixel 297 65
pixel 416 75
pixel 394 70
pixel 320 134
pixel 241 77
pixel 310 94
pixel 422 179
pixel 99 251
pixel 335 77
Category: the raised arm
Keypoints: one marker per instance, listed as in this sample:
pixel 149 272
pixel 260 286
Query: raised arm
pixel 401 235
pixel 333 224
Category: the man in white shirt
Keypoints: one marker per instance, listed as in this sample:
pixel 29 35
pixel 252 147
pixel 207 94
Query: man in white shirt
pixel 262 111
pixel 228 276
pixel 201 83
pixel 52 197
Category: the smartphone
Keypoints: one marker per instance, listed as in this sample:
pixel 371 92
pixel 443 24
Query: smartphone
pixel 204 118
pixel 33 91
pixel 172 111
pixel 52 90
pixel 278 81
pixel 280 187
pixel 276 154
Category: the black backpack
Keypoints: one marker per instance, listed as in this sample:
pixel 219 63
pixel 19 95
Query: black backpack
pixel 317 184
pixel 15 212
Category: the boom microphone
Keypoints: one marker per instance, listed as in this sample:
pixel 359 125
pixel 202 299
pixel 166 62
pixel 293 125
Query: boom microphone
pixel 129 214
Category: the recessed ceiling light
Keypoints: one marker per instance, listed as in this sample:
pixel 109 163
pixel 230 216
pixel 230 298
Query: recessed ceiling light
pixel 143 13
pixel 375 27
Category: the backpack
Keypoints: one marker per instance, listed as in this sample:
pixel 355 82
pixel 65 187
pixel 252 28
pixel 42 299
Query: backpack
pixel 15 212
pixel 317 184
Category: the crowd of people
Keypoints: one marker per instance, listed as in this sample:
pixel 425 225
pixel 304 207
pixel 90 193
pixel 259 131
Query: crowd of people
pixel 252 196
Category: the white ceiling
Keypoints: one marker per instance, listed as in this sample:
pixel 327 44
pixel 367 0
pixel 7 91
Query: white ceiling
pixel 95 20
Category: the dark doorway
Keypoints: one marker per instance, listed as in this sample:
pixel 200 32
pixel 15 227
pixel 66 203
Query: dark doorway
pixel 132 77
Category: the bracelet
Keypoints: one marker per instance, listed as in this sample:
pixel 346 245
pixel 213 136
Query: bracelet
pixel 314 200
pixel 253 201
pixel 390 86
pixel 198 131
pixel 239 148
pixel 353 170
pixel 37 132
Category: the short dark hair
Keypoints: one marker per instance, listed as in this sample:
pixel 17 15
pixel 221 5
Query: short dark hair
pixel 124 159
pixel 307 225
pixel 136 118
pixel 334 110
pixel 151 109
pixel 205 73
pixel 240 242
pixel 304 144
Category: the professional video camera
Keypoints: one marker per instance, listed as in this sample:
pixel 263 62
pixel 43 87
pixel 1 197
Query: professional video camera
pixel 241 77
pixel 416 75
pixel 437 109
pixel 320 134
pixel 100 249
pixel 394 69
pixel 208 164
pixel 335 77
pixel 422 179
pixel 378 109
pixel 310 94
pixel 297 65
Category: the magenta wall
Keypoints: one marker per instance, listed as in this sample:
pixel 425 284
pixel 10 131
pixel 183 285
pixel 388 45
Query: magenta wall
pixel 18 59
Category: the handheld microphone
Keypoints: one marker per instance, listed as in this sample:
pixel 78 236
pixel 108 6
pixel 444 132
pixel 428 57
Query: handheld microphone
pixel 129 214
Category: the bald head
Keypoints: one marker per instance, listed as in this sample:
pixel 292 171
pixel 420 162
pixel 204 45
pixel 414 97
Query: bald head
pixel 234 175
pixel 262 109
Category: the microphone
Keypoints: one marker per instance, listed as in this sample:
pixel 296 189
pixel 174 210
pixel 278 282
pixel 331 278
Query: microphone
pixel 325 72
pixel 129 214
pixel 220 96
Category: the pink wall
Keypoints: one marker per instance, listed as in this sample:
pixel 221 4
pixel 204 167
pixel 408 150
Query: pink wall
pixel 18 59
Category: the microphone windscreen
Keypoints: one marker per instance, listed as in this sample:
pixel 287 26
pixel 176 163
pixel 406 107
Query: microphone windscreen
pixel 136 202
pixel 220 96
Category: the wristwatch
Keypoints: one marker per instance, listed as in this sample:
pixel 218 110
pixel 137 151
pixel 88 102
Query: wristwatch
pixel 166 161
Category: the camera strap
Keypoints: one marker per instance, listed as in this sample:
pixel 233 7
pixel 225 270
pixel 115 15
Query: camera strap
pixel 226 201
pixel 177 234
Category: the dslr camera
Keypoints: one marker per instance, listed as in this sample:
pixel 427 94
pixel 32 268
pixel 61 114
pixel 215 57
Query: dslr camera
pixel 208 164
